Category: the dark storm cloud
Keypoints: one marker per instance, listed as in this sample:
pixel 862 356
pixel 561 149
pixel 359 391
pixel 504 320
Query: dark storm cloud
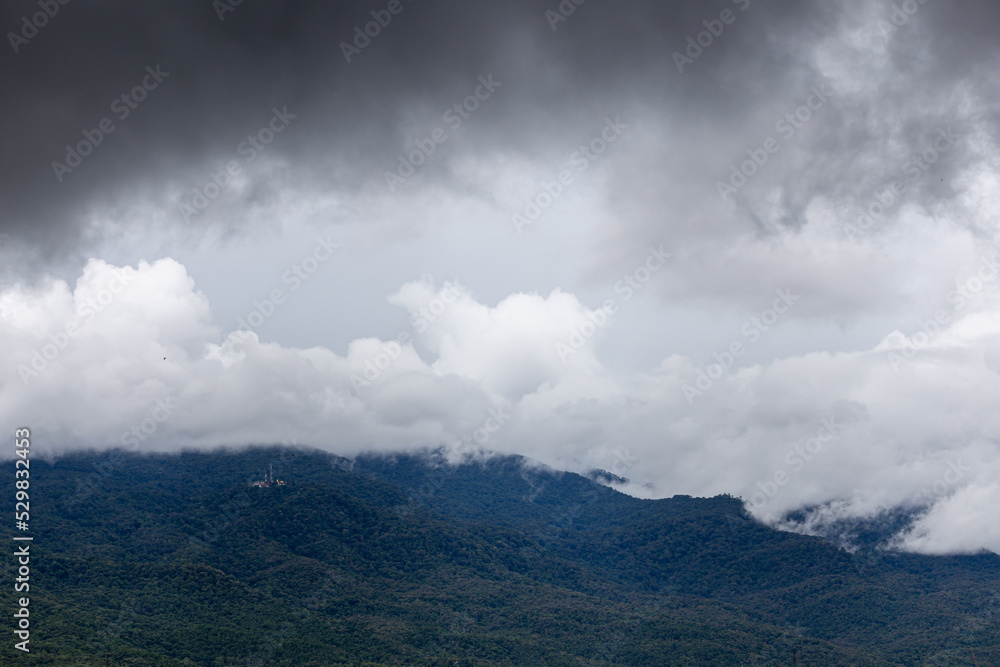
pixel 559 78
pixel 225 76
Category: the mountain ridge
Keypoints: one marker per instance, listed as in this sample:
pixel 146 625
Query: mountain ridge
pixel 383 558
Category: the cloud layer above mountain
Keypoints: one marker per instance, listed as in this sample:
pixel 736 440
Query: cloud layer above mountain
pixel 744 246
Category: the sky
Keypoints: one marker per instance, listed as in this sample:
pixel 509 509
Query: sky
pixel 738 247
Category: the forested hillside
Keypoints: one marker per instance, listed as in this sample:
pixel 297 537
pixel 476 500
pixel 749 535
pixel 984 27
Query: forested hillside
pixel 177 560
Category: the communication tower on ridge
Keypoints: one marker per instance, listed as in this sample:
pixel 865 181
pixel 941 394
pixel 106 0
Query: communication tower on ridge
pixel 268 478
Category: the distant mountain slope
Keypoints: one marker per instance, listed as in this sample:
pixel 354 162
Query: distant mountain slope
pixel 176 560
